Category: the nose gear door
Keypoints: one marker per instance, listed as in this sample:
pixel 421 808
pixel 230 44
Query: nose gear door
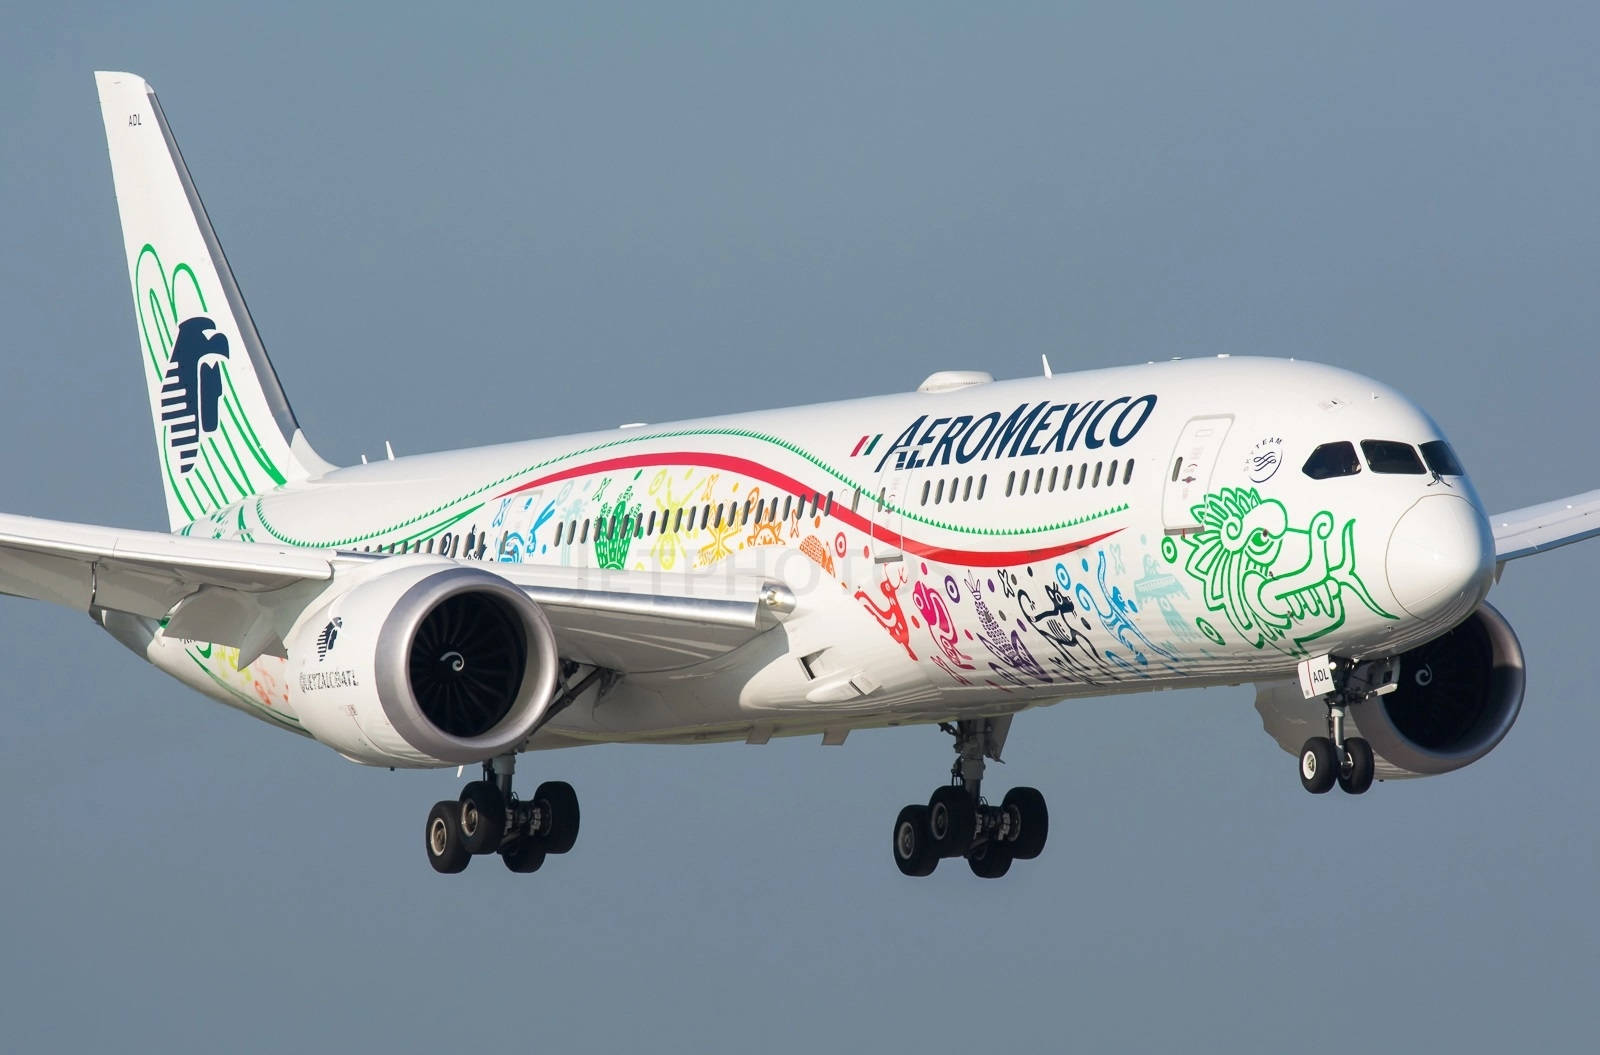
pixel 1193 462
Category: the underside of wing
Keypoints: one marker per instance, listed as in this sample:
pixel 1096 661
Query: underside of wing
pixel 144 572
pixel 645 621
pixel 232 593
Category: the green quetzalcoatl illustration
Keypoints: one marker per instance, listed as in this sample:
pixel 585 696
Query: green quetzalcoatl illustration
pixel 611 545
pixel 1277 585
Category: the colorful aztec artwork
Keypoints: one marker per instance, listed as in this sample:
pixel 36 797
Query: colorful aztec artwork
pixel 1099 609
pixel 1276 585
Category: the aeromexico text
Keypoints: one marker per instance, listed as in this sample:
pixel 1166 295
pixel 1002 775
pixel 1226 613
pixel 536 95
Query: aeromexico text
pixel 1033 428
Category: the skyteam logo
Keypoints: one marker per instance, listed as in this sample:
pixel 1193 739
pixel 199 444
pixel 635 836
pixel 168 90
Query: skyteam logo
pixel 191 388
pixel 1264 459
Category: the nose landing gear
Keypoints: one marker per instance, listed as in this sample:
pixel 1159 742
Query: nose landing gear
pixel 488 818
pixel 958 822
pixel 1336 758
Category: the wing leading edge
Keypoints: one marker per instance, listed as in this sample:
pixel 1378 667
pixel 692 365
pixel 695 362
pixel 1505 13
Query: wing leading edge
pixel 247 595
pixel 1549 525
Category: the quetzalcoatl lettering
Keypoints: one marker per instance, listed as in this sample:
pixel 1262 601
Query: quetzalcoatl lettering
pixel 328 679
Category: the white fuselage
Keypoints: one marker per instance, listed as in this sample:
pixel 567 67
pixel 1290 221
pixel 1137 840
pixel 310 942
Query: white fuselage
pixel 953 554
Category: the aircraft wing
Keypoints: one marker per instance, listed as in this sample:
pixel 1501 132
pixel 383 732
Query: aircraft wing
pixel 1550 525
pixel 247 594
pixel 643 621
pixel 144 572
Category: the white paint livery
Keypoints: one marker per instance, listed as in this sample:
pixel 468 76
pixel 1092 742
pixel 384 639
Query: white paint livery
pixel 956 554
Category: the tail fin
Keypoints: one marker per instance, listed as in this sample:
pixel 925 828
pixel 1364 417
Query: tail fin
pixel 224 429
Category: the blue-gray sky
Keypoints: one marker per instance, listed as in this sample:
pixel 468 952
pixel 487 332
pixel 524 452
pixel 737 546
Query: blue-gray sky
pixel 462 226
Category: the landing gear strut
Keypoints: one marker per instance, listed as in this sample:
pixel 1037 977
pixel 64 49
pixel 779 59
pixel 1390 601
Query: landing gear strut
pixel 959 822
pixel 488 818
pixel 1336 758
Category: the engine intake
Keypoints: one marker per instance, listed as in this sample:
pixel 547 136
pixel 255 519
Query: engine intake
pixel 421 662
pixel 466 664
pixel 1458 696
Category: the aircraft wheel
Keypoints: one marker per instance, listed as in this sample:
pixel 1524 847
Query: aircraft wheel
pixel 990 860
pixel 914 852
pixel 1358 777
pixel 524 855
pixel 442 837
pixel 952 821
pixel 483 817
pixel 1033 822
pixel 558 825
pixel 1319 765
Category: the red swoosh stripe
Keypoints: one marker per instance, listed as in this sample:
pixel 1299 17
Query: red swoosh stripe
pixel 758 471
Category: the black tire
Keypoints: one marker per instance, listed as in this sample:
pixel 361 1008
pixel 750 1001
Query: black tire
pixel 991 860
pixel 1033 822
pixel 952 821
pixel 558 825
pixel 913 848
pixel 524 856
pixel 483 817
pixel 1358 777
pixel 1319 765
pixel 442 838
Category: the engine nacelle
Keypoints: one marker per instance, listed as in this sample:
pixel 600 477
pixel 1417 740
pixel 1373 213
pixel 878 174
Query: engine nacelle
pixel 421 662
pixel 1458 696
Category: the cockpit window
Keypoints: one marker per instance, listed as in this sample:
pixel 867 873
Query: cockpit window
pixel 1441 459
pixel 1391 456
pixel 1332 459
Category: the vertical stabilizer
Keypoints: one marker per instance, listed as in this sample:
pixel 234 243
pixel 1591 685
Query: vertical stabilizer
pixel 224 429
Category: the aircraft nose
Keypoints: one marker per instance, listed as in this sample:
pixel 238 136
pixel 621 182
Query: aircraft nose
pixel 1441 558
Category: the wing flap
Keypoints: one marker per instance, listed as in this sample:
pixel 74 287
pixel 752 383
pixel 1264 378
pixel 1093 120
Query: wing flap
pixel 644 621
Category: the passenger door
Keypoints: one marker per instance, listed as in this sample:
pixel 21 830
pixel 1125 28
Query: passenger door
pixel 885 510
pixel 1190 469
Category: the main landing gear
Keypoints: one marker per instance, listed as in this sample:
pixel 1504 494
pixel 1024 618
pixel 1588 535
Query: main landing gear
pixel 1336 758
pixel 958 822
pixel 489 819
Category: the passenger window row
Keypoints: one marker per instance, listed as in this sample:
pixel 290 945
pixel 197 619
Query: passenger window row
pixel 955 489
pixel 1389 457
pixel 1100 474
pixel 448 544
pixel 656 522
pixel 694 518
pixel 475 545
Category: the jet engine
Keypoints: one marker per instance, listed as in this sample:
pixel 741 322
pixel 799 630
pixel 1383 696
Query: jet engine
pixel 1456 698
pixel 420 662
